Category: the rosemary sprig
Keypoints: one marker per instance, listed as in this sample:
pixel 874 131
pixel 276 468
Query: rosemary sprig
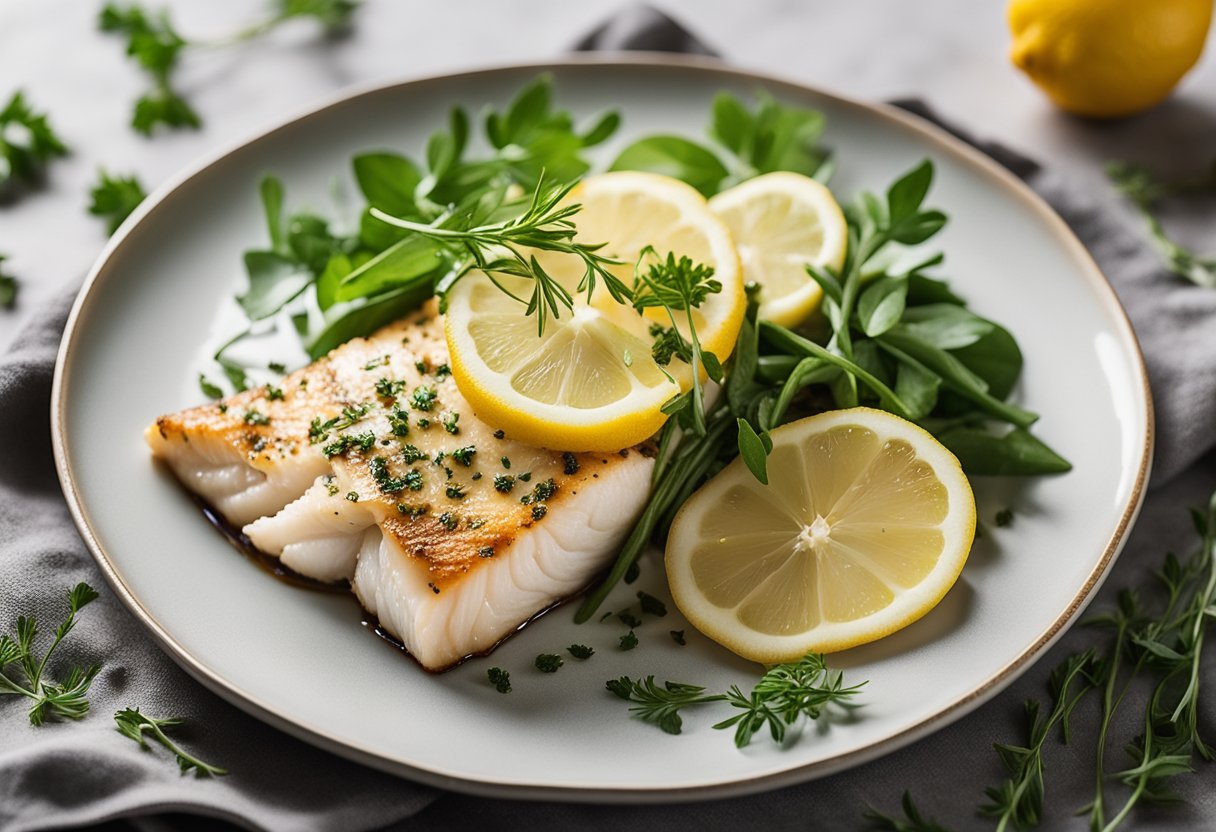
pixel 546 224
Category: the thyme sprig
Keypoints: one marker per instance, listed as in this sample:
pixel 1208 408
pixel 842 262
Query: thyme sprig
pixel 784 694
pixel 137 726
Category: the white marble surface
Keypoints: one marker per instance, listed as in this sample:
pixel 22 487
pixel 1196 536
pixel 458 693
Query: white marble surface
pixel 949 52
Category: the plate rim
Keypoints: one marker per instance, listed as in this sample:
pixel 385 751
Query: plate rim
pixel 729 785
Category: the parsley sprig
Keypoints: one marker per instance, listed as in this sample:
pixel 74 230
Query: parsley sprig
pixel 115 197
pixel 138 727
pixel 27 143
pixel 784 694
pixel 678 286
pixel 154 43
pixel 23 673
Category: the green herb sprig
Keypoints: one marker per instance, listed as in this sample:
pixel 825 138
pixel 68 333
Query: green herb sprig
pixel 154 43
pixel 784 694
pixel 1150 659
pixel 746 143
pixel 138 727
pixel 115 197
pixel 1139 185
pixel 23 673
pixel 9 286
pixel 27 143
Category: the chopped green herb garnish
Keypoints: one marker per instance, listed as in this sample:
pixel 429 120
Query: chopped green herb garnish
pixel 423 398
pixel 420 366
pixel 411 454
pixel 506 462
pixel 449 420
pixel 464 455
pixel 375 363
pixel 353 496
pixel 412 512
pixel 255 417
pixel 455 491
pixel 652 605
pixel 526 476
pixel 276 367
pixel 1004 517
pixel 449 521
pixel 500 679
pixel 8 287
pixel 569 463
pixel 486 552
pixel 399 423
pixel 629 640
pixel 424 423
pixel 629 619
pixel 388 388
pixel 548 662
pixel 500 434
pixel 677 636
pixel 413 479
pixel 539 511
pixel 274 393
pixel 503 483
pixel 580 651
pixel 442 372
pixel 387 484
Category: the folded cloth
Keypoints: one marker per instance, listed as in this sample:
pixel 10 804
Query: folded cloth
pixel 73 773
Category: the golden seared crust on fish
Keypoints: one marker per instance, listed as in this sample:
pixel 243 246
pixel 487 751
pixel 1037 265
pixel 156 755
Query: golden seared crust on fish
pixel 370 466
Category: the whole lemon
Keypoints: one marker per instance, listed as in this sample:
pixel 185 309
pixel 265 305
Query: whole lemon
pixel 1107 58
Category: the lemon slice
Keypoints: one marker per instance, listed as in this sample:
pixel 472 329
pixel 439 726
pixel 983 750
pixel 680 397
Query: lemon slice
pixel 588 382
pixel 865 524
pixel 781 223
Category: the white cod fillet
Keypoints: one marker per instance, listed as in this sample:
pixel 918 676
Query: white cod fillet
pixel 369 466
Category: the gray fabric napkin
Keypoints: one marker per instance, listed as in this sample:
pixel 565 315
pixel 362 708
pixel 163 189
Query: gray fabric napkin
pixel 76 773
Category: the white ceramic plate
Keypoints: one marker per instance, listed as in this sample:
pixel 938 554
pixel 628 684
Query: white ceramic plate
pixel 301 660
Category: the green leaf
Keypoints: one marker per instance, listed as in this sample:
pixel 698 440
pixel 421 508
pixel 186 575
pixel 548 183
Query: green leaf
pixel 388 182
pixel 946 326
pixel 918 228
pixel 905 196
pixel 1016 453
pixel 753 451
pixel 273 281
pixel 8 287
pixel 163 108
pixel 732 124
pixel 995 358
pixel 271 190
pixel 404 263
pixel 346 321
pixel 338 267
pixel 27 142
pixel 676 157
pixel 603 129
pixel 917 388
pixel 787 138
pixel 904 345
pixel 209 389
pixel 114 198
pixel 881 305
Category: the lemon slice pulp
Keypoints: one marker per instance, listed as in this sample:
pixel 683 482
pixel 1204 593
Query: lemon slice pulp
pixel 589 381
pixel 782 222
pixel 865 524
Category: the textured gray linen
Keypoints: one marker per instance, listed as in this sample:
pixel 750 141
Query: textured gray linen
pixel 68 774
